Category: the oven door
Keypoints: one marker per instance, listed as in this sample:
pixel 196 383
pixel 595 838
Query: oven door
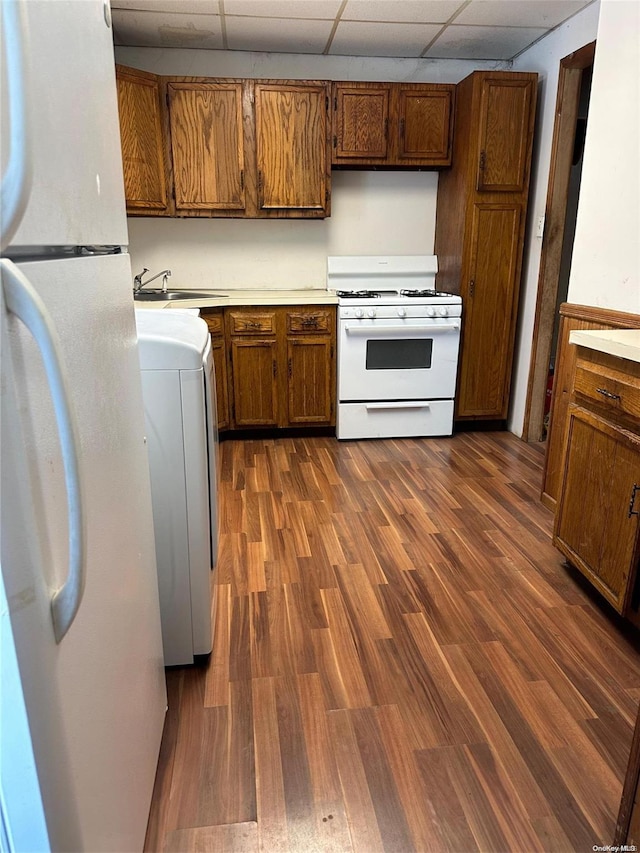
pixel 396 359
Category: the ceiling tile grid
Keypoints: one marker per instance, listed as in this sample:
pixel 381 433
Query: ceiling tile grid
pixel 435 29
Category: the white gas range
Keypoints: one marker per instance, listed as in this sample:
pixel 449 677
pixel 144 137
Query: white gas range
pixel 398 342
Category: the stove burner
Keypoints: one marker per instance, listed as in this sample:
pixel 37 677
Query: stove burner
pixel 429 294
pixel 357 294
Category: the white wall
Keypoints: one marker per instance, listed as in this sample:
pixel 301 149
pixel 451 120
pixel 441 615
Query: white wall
pixel 606 257
pixel 544 58
pixel 371 212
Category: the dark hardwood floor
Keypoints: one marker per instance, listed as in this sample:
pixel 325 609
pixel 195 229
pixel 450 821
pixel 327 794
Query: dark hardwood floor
pixel 401 662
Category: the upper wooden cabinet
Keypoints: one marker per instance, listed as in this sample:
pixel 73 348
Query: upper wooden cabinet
pixel 480 222
pixel 207 145
pixel 292 147
pixel 141 137
pixel 505 134
pixel 392 124
pixel 240 148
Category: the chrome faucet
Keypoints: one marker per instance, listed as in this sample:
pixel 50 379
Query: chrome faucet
pixel 138 284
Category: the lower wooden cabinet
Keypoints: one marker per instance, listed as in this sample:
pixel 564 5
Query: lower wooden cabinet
pixel 596 525
pixel 215 321
pixel 279 366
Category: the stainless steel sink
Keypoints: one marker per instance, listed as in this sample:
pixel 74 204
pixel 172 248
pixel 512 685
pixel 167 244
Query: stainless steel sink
pixel 173 295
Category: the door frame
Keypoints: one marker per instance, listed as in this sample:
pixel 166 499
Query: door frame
pixel 564 129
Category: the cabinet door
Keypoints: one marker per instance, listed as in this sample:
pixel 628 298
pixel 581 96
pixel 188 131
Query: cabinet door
pixel 424 125
pixel 488 308
pixel 361 123
pixel 254 370
pixel 215 323
pixel 596 526
pixel 207 146
pixel 310 372
pixel 292 147
pixel 141 137
pixel 506 132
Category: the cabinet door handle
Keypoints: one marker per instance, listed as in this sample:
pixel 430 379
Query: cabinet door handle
pixel 632 502
pixel 608 394
pixel 290 369
pixel 483 160
pixel 472 287
pixel 275 369
pixel 401 128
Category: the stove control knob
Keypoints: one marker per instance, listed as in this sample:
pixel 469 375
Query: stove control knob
pixel 431 312
pixel 371 312
pixel 359 313
pixel 402 312
pixel 444 311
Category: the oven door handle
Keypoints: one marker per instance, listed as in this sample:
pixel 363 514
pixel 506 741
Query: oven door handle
pixel 398 404
pixel 373 329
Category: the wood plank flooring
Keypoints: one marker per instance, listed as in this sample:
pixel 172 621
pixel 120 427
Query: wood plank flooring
pixel 401 662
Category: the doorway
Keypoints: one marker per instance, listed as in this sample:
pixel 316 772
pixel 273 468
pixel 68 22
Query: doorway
pixel 572 106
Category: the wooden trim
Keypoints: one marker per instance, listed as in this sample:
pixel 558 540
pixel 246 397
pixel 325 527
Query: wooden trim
pixel 567 103
pixel 594 314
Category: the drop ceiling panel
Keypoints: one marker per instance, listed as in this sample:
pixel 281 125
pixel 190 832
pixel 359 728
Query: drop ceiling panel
pixel 143 29
pixel 277 35
pixel 514 13
pixel 377 39
pixel 405 11
pixel 182 7
pixel 323 9
pixel 472 43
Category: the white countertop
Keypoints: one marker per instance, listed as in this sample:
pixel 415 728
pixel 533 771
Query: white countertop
pixel 624 343
pixel 249 297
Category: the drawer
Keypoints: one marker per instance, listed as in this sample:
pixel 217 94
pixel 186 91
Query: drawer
pixel 603 381
pixel 252 322
pixel 214 322
pixel 309 321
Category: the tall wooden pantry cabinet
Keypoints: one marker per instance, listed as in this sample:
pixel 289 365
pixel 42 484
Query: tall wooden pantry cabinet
pixel 480 222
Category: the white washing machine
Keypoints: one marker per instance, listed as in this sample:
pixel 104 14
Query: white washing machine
pixel 178 385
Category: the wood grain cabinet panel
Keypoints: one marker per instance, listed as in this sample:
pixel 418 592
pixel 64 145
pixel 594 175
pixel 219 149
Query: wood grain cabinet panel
pixel 392 124
pixel 214 319
pixel 505 132
pixel 361 122
pixel 424 124
pixel 480 222
pixel 254 372
pixel 292 146
pixel 281 366
pixel 596 528
pixel 141 137
pixel 207 145
pixel 489 299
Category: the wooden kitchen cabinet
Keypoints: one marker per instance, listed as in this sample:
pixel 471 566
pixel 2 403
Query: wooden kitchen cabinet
pixel 253 362
pixel 310 367
pixel 293 158
pixel 596 523
pixel 207 145
pixel 281 366
pixel 480 223
pixel 142 141
pixel 392 124
pixel 214 318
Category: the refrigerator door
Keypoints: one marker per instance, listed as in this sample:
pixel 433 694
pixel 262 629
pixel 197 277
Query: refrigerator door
pixel 95 701
pixel 73 136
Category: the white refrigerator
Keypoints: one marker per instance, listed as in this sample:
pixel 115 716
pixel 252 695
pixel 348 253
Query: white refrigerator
pixel 82 695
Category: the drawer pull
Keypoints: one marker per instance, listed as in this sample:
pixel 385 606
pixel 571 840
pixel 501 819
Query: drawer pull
pixel 608 394
pixel 632 502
